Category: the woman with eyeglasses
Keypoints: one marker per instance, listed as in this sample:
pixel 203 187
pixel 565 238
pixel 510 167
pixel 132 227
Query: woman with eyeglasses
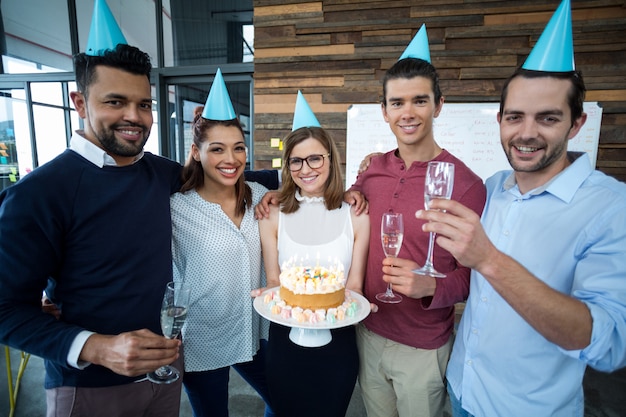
pixel 313 219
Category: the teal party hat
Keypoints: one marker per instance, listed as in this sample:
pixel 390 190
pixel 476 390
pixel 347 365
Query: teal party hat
pixel 418 47
pixel 218 105
pixel 554 51
pixel 104 33
pixel 303 115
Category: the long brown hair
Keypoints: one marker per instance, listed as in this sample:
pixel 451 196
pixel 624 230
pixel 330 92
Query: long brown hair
pixel 192 175
pixel 333 191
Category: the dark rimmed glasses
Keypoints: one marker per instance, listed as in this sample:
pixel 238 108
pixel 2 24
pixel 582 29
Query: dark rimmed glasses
pixel 313 161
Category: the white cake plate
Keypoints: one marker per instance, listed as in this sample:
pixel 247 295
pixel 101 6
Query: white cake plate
pixel 310 337
pixel 312 334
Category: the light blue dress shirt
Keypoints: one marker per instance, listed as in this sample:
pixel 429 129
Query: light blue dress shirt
pixel 571 234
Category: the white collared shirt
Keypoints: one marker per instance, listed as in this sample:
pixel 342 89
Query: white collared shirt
pixel 91 152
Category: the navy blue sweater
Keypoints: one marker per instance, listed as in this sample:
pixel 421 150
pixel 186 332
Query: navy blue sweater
pixel 104 235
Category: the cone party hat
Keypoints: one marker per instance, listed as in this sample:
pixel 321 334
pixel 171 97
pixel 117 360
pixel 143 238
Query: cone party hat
pixel 218 105
pixel 554 51
pixel 104 33
pixel 418 47
pixel 303 116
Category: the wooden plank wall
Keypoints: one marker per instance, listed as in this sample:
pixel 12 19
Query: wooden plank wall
pixel 336 52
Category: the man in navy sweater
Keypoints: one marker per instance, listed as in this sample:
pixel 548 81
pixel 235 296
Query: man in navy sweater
pixel 96 220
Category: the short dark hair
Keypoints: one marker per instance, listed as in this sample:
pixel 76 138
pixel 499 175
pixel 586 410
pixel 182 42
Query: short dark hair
pixel 575 95
pixel 192 176
pixel 410 68
pixel 125 57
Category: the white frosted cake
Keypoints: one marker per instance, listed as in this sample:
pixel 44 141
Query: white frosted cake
pixel 314 287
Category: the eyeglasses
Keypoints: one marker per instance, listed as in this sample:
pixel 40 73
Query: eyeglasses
pixel 313 161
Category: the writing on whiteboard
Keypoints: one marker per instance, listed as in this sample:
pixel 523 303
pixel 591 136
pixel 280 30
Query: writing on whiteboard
pixel 469 131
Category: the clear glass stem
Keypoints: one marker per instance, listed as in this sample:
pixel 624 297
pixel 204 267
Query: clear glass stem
pixel 389 296
pixel 389 292
pixel 431 247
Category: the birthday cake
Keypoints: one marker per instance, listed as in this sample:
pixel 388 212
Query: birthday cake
pixel 313 288
pixel 349 308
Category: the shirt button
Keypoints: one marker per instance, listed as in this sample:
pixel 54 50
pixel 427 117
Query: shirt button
pixel 484 299
pixel 475 331
pixel 401 180
pixel 506 233
pixel 469 362
pixel 395 195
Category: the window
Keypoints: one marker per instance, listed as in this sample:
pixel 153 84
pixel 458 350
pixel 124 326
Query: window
pixel 187 41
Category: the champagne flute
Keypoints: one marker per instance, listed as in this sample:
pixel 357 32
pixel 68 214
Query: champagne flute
pixel 173 315
pixel 438 184
pixel 391 234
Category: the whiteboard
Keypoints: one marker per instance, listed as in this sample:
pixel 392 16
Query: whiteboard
pixel 469 131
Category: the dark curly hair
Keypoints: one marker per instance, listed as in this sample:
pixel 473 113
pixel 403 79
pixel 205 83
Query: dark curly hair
pixel 124 57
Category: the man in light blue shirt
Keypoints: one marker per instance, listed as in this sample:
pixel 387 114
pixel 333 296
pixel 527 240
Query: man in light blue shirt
pixel 548 286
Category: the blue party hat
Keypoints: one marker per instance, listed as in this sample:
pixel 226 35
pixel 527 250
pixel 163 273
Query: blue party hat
pixel 104 33
pixel 554 51
pixel 218 105
pixel 418 47
pixel 303 116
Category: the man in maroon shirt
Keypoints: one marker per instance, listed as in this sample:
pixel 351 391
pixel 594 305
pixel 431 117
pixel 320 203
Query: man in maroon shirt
pixel 404 347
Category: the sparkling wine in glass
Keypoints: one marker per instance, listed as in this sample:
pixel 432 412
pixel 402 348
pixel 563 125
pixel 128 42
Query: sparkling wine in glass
pixel 438 184
pixel 391 234
pixel 173 315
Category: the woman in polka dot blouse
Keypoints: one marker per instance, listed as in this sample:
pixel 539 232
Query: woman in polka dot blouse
pixel 216 250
